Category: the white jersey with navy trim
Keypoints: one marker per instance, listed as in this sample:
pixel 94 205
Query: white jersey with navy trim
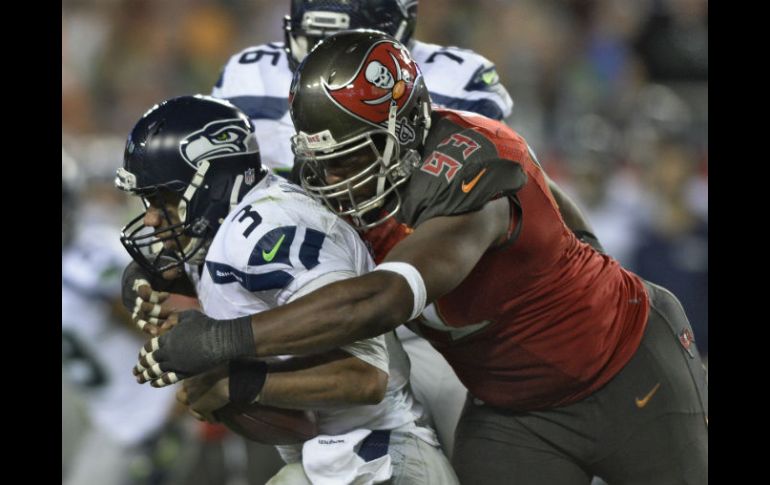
pixel 279 243
pixel 257 81
pixel 462 79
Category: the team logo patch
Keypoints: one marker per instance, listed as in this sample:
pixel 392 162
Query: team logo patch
pixel 387 74
pixel 216 139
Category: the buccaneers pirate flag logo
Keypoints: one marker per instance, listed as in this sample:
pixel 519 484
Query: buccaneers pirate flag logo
pixel 387 74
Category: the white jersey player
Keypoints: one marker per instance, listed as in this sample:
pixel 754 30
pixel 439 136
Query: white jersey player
pixel 298 247
pixel 275 245
pixel 97 353
pixel 258 78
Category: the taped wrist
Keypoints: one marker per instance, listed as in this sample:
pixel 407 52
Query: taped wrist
pixel 246 380
pixel 234 338
pixel 413 279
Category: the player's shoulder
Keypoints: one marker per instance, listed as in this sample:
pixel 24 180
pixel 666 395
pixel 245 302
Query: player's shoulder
pixel 467 160
pixel 272 219
pixel 253 70
pixel 462 79
pixel 473 137
pixel 427 53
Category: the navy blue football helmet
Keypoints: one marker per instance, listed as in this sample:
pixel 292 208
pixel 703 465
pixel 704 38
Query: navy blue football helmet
pixel 200 149
pixel 310 21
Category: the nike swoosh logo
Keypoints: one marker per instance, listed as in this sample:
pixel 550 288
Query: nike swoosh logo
pixel 640 403
pixel 469 186
pixel 269 256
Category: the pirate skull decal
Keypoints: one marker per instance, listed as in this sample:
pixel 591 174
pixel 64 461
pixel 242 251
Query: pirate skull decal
pixel 378 74
pixel 387 74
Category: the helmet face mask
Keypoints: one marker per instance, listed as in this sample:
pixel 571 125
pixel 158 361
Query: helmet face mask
pixel 362 112
pixel 173 242
pixel 191 159
pixel 369 177
pixel 311 21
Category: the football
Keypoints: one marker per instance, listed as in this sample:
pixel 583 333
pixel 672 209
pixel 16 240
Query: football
pixel 182 302
pixel 267 424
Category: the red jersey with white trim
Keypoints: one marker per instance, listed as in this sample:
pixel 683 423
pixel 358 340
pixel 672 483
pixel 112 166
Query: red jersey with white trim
pixel 542 321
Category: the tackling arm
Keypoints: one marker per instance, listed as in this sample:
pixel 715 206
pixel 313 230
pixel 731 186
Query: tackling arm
pixel 444 250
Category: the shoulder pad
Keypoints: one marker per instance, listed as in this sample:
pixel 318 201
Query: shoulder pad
pixel 257 80
pixel 463 79
pixel 461 171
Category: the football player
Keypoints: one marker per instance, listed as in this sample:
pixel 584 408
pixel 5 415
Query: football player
pixel 122 422
pixel 250 241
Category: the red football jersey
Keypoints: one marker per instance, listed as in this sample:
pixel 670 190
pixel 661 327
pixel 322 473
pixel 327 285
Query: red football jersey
pixel 541 322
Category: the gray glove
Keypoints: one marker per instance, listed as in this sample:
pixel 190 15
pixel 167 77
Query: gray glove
pixel 194 345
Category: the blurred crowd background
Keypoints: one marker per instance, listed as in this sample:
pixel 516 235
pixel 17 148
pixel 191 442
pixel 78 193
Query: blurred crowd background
pixel 611 94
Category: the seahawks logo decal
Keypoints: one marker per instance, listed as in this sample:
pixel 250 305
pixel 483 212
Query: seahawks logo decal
pixel 216 139
pixel 387 74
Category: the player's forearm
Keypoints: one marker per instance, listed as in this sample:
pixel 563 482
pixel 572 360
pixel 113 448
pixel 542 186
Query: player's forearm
pixel 342 382
pixel 335 315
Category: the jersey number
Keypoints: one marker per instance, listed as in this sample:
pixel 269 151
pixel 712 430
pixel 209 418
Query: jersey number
pixel 251 57
pixel 274 247
pixel 436 163
pixel 443 52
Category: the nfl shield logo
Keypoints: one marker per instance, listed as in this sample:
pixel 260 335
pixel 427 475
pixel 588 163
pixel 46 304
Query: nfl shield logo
pixel 249 176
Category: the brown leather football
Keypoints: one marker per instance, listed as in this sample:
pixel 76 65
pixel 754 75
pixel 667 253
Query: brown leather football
pixel 269 425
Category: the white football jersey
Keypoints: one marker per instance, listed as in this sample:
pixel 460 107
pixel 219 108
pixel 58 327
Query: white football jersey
pixel 257 81
pixel 278 244
pixel 98 352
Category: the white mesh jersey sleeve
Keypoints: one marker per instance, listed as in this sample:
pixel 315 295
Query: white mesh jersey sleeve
pixel 257 81
pixel 462 79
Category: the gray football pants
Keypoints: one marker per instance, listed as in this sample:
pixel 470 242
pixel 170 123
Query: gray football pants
pixel 648 425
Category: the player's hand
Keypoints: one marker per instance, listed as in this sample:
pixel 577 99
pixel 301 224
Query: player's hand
pixel 205 393
pixel 149 308
pixel 194 345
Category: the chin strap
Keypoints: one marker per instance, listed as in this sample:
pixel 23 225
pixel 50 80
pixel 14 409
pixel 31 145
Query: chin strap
pixel 389 145
pixel 196 182
pixel 426 121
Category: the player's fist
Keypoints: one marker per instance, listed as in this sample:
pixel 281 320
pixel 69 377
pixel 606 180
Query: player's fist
pixel 149 307
pixel 194 345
